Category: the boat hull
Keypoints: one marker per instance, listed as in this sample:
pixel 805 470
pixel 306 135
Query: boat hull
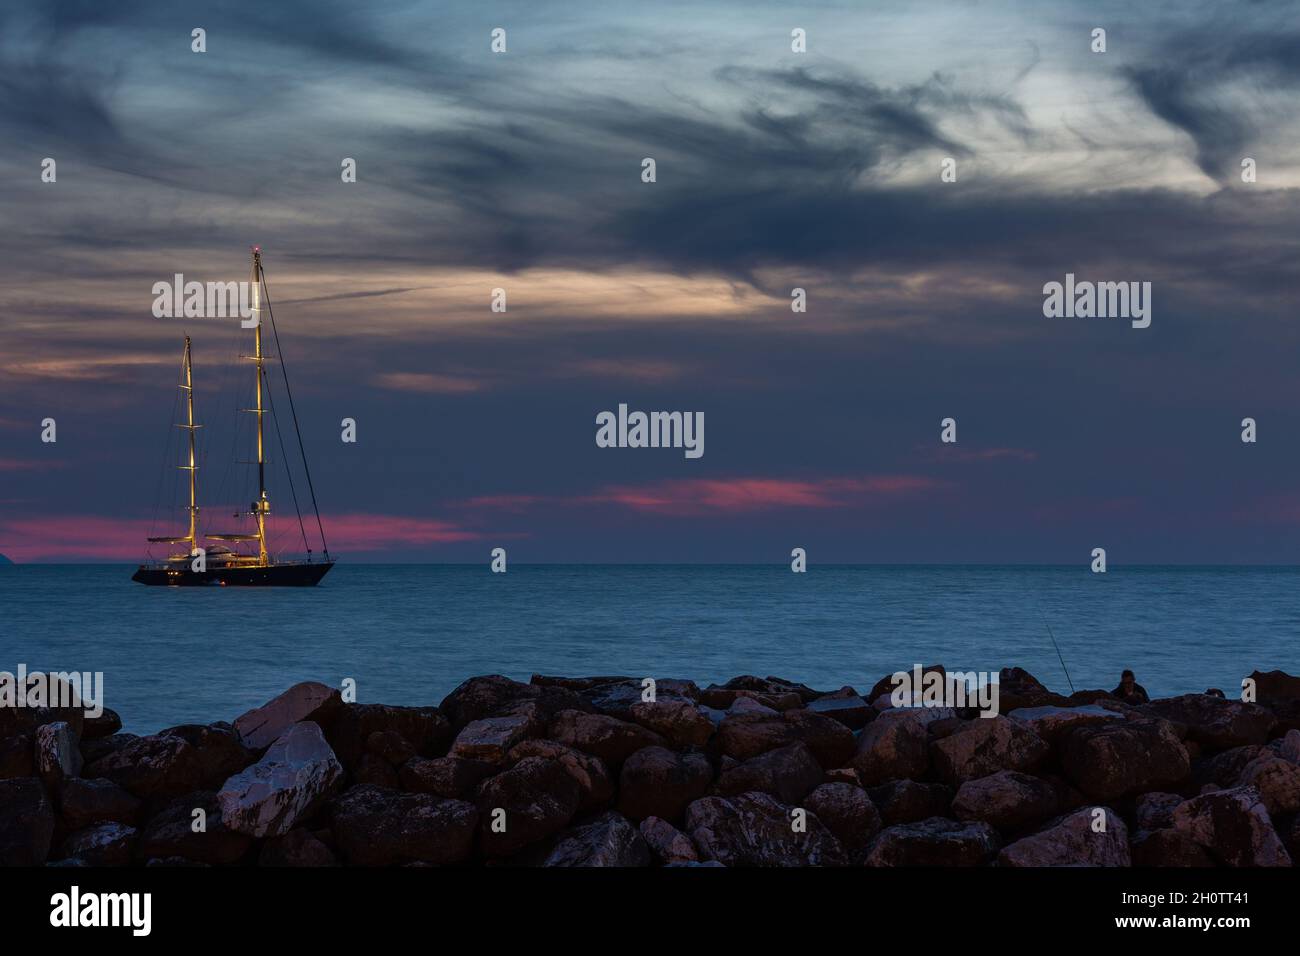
pixel 275 575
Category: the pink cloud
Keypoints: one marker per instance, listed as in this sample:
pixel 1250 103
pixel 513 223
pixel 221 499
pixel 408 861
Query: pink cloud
pixel 688 496
pixel 27 464
pixel 75 537
pixel 951 453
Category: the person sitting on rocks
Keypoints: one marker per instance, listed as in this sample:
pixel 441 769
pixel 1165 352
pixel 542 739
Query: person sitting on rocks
pixel 1129 690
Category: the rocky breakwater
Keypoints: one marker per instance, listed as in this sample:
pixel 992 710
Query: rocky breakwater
pixel 588 772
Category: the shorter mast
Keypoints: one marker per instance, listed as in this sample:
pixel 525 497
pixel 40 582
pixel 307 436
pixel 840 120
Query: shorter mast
pixel 261 506
pixel 192 468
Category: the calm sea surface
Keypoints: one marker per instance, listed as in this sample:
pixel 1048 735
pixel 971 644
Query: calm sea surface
pixel 408 634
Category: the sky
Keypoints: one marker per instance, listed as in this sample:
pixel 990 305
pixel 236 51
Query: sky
pixel 774 170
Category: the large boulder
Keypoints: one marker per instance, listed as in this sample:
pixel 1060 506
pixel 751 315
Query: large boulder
pixel 1092 836
pixel 1168 847
pixel 178 831
pixel 175 761
pixel 667 843
pixel 679 721
pixel 1155 811
pixel 297 848
pixel 532 800
pixel 1050 721
pixel 754 829
pixel 105 844
pixel 788 773
pixel 424 728
pixel 26 823
pixel 656 782
pixel 453 778
pixel 595 785
pixel 1112 760
pixel 490 738
pixel 608 840
pixel 24 721
pixel 911 801
pixel 1007 800
pixel 847 812
pixel 830 741
pixel 497 696
pixel 104 724
pixel 84 803
pixel 293 778
pixel 747 733
pixel 309 700
pixel 1234 827
pixel 986 745
pixel 16 758
pixel 893 747
pixel 1213 722
pixel 378 827
pixel 1017 688
pixel 58 756
pixel 845 706
pixel 934 842
pixel 610 739
pixel 1277 780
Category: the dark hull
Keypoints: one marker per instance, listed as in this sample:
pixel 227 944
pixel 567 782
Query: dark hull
pixel 275 575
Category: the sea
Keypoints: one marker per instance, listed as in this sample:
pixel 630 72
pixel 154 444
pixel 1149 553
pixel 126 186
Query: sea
pixel 409 633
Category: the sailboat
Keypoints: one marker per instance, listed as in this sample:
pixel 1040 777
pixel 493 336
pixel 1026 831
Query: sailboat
pixel 221 564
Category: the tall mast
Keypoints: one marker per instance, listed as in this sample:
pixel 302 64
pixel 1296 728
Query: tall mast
pixel 192 468
pixel 261 507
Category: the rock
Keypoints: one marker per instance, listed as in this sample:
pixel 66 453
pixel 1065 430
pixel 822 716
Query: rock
pixel 1072 841
pixel 1224 769
pixel 539 798
pixel 655 782
pixel 829 740
pixel 608 840
pixel 1050 722
pixel 1168 847
pixel 1288 746
pixel 748 705
pixel 754 829
pixel 1277 780
pixel 106 844
pixel 610 739
pixel 1215 723
pixel 771 686
pixel 309 700
pixel 849 709
pixel 1007 800
pixel 217 751
pixel 26 823
pixel 424 728
pixel 667 844
pixel 934 842
pixel 730 699
pixel 374 769
pixel 92 750
pixel 16 758
pixel 25 721
pixel 1017 688
pixel 378 827
pixel 907 801
pixel 390 746
pixel 892 747
pixel 1112 760
pixel 491 738
pixel 743 735
pixel 984 746
pixel 85 803
pixel 497 696
pixel 788 773
pixel 847 812
pixel 298 847
pixel 171 832
pixel 1233 825
pixel 294 776
pixel 595 785
pixel 105 724
pixel 57 755
pixel 1155 811
pixel 454 778
pixel 680 722
pixel 1276 688
pixel 153 766
pixel 885 686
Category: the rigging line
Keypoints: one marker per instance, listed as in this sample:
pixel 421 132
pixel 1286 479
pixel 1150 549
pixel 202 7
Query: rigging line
pixel 288 391
pixel 288 472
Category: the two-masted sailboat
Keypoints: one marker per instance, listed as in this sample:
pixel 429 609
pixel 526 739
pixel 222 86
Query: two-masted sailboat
pixel 221 564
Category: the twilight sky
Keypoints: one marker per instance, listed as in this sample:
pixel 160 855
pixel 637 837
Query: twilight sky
pixel 775 169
